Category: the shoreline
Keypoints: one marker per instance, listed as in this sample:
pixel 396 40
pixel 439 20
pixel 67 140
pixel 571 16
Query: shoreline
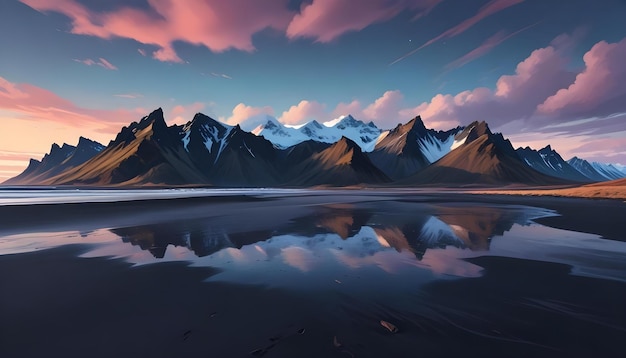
pixel 595 216
pixel 586 191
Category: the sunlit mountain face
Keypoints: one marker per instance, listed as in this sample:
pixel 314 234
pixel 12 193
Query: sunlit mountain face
pixel 207 152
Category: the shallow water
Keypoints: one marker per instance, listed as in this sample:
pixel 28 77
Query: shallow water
pixel 484 274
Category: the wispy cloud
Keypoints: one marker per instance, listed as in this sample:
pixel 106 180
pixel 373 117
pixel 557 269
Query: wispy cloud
pixel 493 7
pixel 180 114
pixel 326 20
pixel 106 64
pixel 102 62
pixel 129 95
pixel 221 75
pixel 485 47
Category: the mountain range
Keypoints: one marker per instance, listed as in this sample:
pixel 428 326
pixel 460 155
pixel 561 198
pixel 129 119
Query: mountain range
pixel 341 152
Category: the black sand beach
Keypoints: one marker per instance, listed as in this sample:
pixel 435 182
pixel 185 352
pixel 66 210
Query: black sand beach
pixel 57 304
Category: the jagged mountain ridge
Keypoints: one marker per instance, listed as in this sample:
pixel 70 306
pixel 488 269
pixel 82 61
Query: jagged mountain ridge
pixel 546 160
pixel 59 159
pixel 207 152
pixel 145 152
pixel 480 157
pixel 410 147
pixel 596 171
pixel 230 156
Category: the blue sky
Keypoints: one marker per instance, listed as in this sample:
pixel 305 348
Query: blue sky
pixel 533 69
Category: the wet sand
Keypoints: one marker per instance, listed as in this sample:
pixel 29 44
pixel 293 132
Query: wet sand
pixel 54 304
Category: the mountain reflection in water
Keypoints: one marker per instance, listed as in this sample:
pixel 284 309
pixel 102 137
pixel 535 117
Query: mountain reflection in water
pixel 403 227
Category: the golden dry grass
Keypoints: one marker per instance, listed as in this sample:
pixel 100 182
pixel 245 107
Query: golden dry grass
pixel 608 190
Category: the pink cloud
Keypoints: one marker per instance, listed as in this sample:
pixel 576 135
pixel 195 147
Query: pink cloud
pixel 304 112
pixel 600 89
pixel 540 75
pixel 389 109
pixel 12 163
pixel 385 109
pixel 603 148
pixel 218 25
pixel 516 96
pixel 28 102
pixel 493 7
pixel 544 97
pixel 181 114
pixel 325 20
pixel 47 118
pixel 248 116
pixel 102 62
pixel 354 108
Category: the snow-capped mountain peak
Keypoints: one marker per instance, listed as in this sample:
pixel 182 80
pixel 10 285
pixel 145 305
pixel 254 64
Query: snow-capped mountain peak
pixel 348 121
pixel 271 124
pixel 335 121
pixel 283 136
pixel 212 134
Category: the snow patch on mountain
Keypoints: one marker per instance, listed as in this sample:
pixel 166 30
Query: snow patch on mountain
pixel 214 133
pixel 620 167
pixel 334 122
pixel 596 171
pixel 434 149
pixel 186 140
pixel 608 171
pixel 460 139
pixel 223 141
pixel 249 150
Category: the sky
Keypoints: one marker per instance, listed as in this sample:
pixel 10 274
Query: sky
pixel 541 72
